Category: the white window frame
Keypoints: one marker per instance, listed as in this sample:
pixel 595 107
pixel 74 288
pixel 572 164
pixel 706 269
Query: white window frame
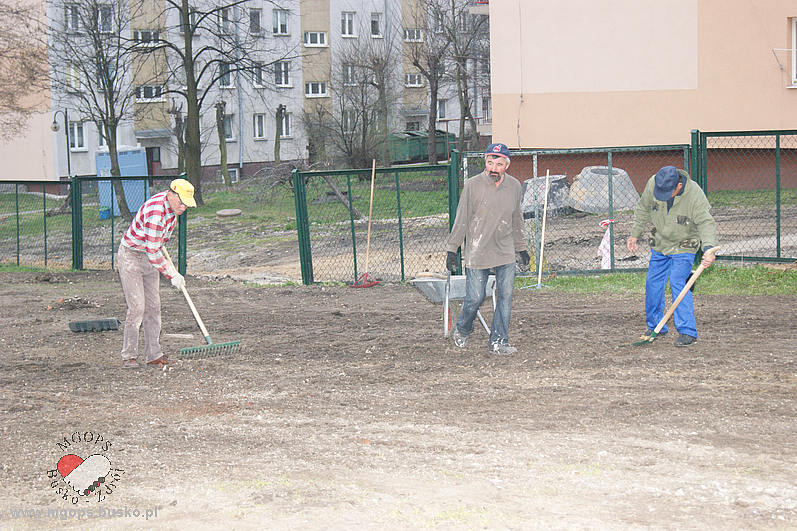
pixel 233 174
pixel 413 80
pixel 146 37
pixel 226 19
pixel 376 18
pixel 229 127
pixel 229 82
pixel 257 76
pixel 192 15
pixel 415 127
pixel 279 22
pixel 347 24
pixel 101 142
pixel 315 89
pixel 441 109
pixel 413 35
pixel 349 75
pixel 77 137
pixel 157 93
pixel 349 121
pixel 259 122
pixel 255 21
pixel 73 78
pixel 321 38
pixel 72 18
pixel 286 125
pixel 105 22
pixel 794 51
pixel 282 74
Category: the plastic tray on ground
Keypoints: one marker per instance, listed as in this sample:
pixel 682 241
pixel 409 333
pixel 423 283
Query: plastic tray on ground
pixel 435 288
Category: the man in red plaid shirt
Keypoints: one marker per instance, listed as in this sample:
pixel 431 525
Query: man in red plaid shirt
pixel 141 263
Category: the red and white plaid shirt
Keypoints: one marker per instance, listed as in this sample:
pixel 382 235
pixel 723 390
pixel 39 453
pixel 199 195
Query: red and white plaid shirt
pixel 151 229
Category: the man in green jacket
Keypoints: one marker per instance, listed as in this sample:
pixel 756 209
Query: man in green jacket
pixel 679 212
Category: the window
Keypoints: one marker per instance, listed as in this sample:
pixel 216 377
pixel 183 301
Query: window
pixel 347 24
pixel 259 126
pixel 191 20
pixel 282 73
pixel 233 172
pixel 486 111
pixel 148 93
pixel 225 79
pixel 376 25
pixel 413 80
pixel 413 35
pixel 286 125
pixel 315 89
pixel 441 108
pixel 280 21
pixel 315 38
pixel 349 78
pixel 72 78
pixel 255 19
pixel 76 138
pixel 257 75
pixel 104 14
pixel 146 37
pixel 225 19
pixel 105 79
pixel 437 22
pixel 72 16
pixel 794 51
pixel 413 126
pixel 228 128
pixel 349 120
pixel 101 142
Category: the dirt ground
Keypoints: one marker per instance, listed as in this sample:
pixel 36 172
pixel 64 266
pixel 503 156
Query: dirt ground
pixel 346 409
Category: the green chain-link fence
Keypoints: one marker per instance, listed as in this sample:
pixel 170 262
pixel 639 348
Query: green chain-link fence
pixel 408 223
pixel 750 179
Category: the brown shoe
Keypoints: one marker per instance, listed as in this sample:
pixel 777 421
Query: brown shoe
pixel 130 364
pixel 158 362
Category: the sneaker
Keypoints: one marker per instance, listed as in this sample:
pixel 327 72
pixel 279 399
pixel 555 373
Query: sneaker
pixel 459 339
pixel 130 364
pixel 684 340
pixel 649 332
pixel 502 347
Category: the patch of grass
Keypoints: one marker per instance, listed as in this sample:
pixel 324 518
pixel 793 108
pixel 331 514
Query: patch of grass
pixel 5 268
pixel 751 198
pixel 719 279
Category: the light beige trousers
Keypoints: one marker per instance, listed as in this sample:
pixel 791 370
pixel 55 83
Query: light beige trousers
pixel 141 286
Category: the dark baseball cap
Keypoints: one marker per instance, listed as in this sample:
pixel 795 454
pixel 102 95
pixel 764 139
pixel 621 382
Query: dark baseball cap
pixel 497 149
pixel 666 180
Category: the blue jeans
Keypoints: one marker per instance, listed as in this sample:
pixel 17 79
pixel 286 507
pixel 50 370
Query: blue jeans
pixel 475 291
pixel 676 268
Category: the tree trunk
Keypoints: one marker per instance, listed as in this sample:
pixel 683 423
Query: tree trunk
pixel 118 186
pixel 193 149
pixel 225 173
pixel 432 144
pixel 280 115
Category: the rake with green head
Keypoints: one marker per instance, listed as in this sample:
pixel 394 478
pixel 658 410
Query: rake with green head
pixel 211 349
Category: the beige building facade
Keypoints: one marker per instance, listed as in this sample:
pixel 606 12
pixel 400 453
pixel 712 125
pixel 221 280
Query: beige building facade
pixel 580 73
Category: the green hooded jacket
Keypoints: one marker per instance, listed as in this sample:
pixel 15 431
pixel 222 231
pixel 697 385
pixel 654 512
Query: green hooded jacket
pixel 685 228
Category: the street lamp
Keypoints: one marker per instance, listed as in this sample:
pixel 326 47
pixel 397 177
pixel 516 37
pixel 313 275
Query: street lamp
pixel 54 127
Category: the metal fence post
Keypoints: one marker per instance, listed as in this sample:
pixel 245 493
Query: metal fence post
pixel 182 241
pixel 611 209
pixel 777 196
pixel 694 163
pixel 16 201
pixel 44 219
pixel 77 223
pixel 401 234
pixel 453 194
pixel 351 222
pixel 302 227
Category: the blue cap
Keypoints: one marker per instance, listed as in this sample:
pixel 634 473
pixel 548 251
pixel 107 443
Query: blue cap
pixel 497 149
pixel 666 180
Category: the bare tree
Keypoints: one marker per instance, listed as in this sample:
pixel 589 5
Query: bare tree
pixel 178 131
pixel 225 173
pixel 23 66
pixel 219 41
pixel 469 37
pixel 429 57
pixel 90 69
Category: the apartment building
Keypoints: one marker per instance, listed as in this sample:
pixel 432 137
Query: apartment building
pixel 297 60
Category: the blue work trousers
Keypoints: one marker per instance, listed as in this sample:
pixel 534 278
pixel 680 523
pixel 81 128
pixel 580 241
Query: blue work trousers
pixel 475 291
pixel 676 268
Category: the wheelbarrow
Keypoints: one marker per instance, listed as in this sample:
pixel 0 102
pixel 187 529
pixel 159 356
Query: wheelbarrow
pixel 446 288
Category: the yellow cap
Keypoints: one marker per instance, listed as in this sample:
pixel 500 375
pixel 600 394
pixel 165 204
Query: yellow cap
pixel 185 190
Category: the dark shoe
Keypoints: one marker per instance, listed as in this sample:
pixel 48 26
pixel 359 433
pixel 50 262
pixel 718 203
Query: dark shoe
pixel 684 340
pixel 649 332
pixel 502 347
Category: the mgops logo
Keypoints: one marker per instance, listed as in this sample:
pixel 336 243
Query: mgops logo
pixel 77 479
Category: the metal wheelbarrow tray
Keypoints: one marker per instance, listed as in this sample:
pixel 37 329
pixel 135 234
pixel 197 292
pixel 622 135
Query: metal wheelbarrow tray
pixel 434 288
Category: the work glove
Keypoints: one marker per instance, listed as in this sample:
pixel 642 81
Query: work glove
pixel 177 280
pixel 523 259
pixel 451 262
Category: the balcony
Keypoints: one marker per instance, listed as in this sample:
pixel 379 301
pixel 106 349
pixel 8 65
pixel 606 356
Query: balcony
pixel 480 7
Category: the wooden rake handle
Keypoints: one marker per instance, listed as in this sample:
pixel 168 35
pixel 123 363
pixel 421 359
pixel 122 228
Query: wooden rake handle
pixel 189 301
pixel 681 295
